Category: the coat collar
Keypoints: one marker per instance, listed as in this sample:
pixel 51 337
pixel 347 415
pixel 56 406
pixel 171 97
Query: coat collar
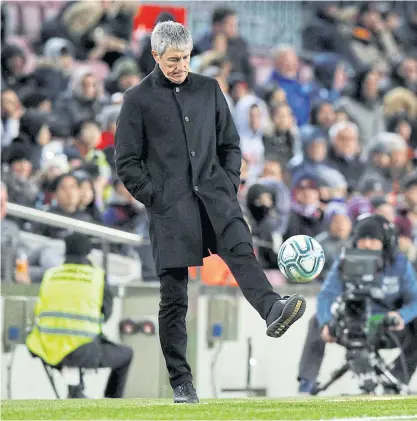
pixel 160 78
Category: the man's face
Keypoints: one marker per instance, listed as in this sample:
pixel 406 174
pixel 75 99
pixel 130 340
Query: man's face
pixel 174 64
pixel 341 226
pixel 90 135
pixel 326 116
pixel 411 195
pixel 409 70
pixel 9 103
pixel 230 26
pixel 287 63
pixel 3 202
pixel 22 169
pixel 369 244
pixel 128 81
pixel 370 86
pixel 346 142
pixel 89 87
pixel 307 196
pixel 68 194
pixel 317 151
pixel 255 119
pixel 283 118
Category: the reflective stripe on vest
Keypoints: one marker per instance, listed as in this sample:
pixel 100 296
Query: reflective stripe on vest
pixel 68 314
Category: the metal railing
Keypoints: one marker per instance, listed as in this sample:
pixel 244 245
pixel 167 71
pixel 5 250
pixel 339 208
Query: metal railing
pixel 105 234
pixel 109 235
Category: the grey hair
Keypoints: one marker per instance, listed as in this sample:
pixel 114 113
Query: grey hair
pixel 170 35
pixel 338 127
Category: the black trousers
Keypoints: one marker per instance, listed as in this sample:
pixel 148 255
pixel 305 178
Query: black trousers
pixel 102 353
pixel 313 352
pixel 174 304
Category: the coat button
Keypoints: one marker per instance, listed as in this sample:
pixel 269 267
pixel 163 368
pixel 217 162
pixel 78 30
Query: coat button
pixel 196 188
pixel 177 89
pixel 192 153
pixel 186 119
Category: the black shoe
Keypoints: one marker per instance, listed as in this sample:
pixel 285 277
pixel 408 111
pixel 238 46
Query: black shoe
pixel 284 313
pixel 185 393
pixel 76 392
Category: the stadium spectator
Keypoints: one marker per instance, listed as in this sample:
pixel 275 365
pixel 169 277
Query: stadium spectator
pixel 11 113
pixel 334 238
pixel 344 153
pixel 66 202
pixel 225 21
pixel 11 246
pixel 364 107
pixel 84 101
pixel 323 115
pixel 284 75
pixel 125 74
pixel 283 140
pixel 306 215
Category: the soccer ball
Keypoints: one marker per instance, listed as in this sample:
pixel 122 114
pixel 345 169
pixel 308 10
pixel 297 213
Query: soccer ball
pixel 301 258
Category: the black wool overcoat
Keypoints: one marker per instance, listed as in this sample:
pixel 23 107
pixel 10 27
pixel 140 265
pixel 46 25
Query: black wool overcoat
pixel 177 151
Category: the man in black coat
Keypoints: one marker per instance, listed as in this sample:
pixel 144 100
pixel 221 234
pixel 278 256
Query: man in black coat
pixel 177 151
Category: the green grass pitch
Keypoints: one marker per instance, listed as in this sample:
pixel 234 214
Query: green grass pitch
pixel 212 409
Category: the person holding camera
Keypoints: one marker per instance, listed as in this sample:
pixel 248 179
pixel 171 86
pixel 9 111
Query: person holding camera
pixel 399 304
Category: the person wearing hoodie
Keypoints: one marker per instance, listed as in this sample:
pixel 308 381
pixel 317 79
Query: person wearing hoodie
pixel 251 143
pixel 314 155
pixel 262 213
pixel 53 71
pixel 13 64
pixel 365 107
pixel 125 74
pixel 84 101
pixel 18 177
pixel 283 141
pixel 306 215
pixel 387 160
pixel 35 134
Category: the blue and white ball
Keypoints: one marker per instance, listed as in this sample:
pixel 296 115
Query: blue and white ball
pixel 301 258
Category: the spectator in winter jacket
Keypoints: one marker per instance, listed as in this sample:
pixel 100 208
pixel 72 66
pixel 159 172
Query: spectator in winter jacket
pixel 284 75
pixel 11 112
pixel 360 203
pixel 323 116
pixel 251 143
pixel 344 153
pixel 283 141
pixel 365 107
pixel 272 178
pixel 314 155
pixel 83 102
pixel 306 215
pixel 334 238
pixel 260 205
pixel 225 21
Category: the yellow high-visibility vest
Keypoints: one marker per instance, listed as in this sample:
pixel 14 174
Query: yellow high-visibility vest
pixel 68 311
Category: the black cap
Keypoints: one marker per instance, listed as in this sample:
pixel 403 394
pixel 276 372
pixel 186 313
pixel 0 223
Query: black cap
pixel 78 245
pixel 371 184
pixel 371 227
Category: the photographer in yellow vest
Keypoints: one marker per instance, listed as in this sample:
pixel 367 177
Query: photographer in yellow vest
pixel 74 301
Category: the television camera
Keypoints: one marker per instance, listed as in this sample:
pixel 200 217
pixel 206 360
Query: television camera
pixel 355 328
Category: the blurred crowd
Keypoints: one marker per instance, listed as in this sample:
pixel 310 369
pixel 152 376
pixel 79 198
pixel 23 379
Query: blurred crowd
pixel 327 133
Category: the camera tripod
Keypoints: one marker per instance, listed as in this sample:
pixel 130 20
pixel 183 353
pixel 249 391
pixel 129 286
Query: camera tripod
pixel 371 370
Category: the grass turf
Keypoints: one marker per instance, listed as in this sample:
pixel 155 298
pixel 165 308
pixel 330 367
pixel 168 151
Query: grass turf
pixel 211 409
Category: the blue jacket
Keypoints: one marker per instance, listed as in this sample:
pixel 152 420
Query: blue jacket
pixel 399 283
